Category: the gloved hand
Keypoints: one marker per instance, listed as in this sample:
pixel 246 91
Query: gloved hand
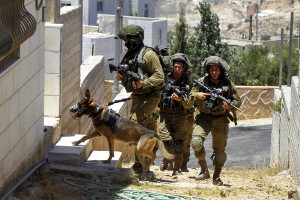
pixel 119 76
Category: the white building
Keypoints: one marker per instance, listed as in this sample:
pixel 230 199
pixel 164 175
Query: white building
pixel 140 8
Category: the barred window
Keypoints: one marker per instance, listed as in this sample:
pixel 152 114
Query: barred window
pixel 16 26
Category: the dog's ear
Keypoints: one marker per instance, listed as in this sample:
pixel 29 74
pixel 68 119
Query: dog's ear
pixel 87 93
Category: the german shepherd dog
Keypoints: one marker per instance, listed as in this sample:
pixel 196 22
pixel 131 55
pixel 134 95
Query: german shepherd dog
pixel 111 125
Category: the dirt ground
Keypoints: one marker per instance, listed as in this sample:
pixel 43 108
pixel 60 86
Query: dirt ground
pixel 258 184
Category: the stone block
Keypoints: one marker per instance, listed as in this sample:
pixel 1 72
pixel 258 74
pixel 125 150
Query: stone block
pixel 65 153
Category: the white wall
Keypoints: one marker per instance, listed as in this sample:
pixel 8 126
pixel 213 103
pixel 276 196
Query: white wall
pixel 155 31
pixel 103 45
pixel 22 105
pixel 52 69
pixel 285 138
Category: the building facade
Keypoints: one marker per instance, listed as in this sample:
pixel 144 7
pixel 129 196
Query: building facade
pixel 21 88
pixel 91 8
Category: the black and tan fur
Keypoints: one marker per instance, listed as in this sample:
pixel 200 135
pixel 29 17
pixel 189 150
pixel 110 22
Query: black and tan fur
pixel 125 130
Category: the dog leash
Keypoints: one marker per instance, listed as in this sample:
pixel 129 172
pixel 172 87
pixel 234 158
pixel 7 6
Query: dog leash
pixel 119 100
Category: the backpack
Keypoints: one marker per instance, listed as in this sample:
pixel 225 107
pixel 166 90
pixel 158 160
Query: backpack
pixel 163 55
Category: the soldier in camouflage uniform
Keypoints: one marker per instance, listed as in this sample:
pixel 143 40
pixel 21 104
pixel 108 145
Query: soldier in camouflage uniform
pixel 213 119
pixel 190 122
pixel 173 113
pixel 145 92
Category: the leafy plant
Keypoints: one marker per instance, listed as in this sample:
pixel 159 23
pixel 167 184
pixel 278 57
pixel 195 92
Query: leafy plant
pixel 180 38
pixel 265 37
pixel 277 106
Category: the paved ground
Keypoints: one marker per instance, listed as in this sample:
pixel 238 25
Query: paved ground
pixel 248 145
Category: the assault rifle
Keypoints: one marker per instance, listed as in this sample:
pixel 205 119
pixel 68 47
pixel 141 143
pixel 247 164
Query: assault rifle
pixel 215 94
pixel 123 70
pixel 170 88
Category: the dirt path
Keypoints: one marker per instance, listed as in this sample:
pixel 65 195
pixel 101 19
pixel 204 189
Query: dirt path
pixel 258 184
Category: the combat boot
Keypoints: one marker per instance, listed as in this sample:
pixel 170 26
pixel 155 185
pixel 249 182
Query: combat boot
pixel 183 167
pixel 170 166
pixel 204 173
pixel 216 177
pixel 164 164
pixel 176 170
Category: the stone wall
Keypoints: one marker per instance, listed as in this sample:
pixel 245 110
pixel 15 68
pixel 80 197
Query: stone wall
pixel 91 77
pixel 257 102
pixel 285 138
pixel 71 47
pixel 22 107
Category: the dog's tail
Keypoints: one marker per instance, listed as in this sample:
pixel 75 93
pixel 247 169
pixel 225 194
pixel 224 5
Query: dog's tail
pixel 163 150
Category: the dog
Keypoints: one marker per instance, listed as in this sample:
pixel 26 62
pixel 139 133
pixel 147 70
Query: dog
pixel 113 127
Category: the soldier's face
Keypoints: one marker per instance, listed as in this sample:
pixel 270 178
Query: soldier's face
pixel 178 68
pixel 214 72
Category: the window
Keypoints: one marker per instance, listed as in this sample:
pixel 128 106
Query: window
pixel 146 11
pixel 65 4
pixel 100 6
pixel 159 36
pixel 16 26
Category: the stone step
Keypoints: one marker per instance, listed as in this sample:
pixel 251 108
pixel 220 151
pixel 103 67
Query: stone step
pixel 65 153
pixel 96 159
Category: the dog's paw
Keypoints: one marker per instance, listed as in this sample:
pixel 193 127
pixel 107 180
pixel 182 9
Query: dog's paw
pixel 75 143
pixel 106 161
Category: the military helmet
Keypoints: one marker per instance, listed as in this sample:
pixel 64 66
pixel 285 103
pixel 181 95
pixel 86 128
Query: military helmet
pixel 180 57
pixel 215 60
pixel 132 33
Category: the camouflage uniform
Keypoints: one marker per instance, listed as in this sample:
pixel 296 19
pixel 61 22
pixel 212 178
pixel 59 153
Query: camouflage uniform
pixel 174 114
pixel 190 122
pixel 145 99
pixel 214 120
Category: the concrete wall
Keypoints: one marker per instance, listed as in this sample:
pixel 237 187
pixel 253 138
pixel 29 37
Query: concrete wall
pixel 91 77
pixel 257 102
pixel 155 30
pixel 53 69
pixel 71 53
pixel 285 138
pixel 99 44
pixel 22 107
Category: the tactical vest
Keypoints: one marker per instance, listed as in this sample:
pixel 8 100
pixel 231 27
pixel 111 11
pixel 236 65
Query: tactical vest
pixel 167 103
pixel 134 60
pixel 225 86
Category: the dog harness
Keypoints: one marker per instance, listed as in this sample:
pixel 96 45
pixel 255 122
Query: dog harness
pixel 111 118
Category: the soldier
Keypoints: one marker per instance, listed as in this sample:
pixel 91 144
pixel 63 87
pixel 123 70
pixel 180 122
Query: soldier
pixel 173 113
pixel 146 92
pixel 213 116
pixel 190 121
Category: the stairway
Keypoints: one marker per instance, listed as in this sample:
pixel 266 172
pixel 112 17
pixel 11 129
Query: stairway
pixel 82 159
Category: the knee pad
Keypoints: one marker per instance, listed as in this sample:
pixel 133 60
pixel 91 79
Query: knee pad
pixel 179 146
pixel 197 143
pixel 220 159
